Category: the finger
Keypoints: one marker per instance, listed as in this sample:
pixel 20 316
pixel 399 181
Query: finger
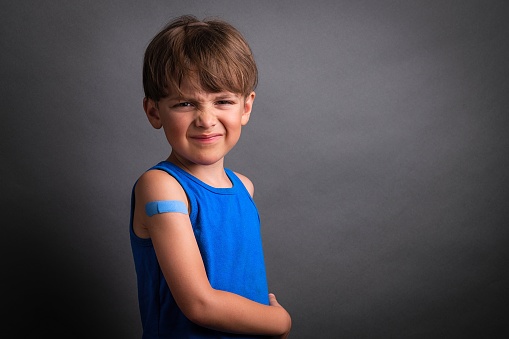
pixel 273 300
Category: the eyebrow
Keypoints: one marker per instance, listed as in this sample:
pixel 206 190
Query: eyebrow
pixel 226 96
pixel 215 96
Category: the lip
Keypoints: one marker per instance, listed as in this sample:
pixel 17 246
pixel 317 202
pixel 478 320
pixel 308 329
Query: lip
pixel 206 138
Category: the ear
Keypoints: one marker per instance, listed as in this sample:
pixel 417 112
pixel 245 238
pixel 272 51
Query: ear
pixel 152 111
pixel 248 106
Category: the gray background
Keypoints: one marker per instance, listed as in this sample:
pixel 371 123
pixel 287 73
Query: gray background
pixel 378 147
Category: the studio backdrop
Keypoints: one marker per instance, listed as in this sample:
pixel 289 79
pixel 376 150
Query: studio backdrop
pixel 378 148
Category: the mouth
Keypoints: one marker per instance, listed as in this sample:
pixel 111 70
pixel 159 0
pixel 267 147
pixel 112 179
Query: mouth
pixel 206 138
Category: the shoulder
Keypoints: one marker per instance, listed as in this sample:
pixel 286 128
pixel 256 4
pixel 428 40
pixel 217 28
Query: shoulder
pixel 158 185
pixel 247 182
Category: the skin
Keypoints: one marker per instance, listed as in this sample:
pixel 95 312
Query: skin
pixel 201 128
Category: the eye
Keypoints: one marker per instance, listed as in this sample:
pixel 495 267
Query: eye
pixel 225 102
pixel 183 106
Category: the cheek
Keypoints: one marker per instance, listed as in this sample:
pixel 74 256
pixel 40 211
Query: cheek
pixel 177 125
pixel 234 129
pixel 233 126
pixel 234 121
pixel 174 131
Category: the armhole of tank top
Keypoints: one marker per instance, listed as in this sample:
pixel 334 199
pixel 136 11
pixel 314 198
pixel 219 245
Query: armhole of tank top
pixel 237 180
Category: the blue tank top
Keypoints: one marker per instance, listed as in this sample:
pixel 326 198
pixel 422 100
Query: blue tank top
pixel 226 225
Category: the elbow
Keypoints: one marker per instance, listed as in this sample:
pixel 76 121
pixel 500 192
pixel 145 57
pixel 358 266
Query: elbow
pixel 196 311
pixel 197 315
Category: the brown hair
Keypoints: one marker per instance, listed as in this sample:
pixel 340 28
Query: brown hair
pixel 212 50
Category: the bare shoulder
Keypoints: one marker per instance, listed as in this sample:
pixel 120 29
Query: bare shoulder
pixel 153 185
pixel 158 185
pixel 247 183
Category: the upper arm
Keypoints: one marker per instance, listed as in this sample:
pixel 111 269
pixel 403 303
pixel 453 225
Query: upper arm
pixel 173 239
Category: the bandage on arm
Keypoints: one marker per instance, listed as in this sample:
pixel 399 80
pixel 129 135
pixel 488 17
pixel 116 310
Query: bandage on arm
pixel 165 206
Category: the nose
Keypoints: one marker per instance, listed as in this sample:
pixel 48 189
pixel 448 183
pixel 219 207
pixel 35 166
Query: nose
pixel 206 118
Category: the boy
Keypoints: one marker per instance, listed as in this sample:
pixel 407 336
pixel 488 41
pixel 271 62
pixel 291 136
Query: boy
pixel 195 232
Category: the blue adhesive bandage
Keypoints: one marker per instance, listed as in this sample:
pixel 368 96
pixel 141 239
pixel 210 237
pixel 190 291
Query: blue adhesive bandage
pixel 164 206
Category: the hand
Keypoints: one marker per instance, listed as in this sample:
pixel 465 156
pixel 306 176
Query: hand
pixel 273 302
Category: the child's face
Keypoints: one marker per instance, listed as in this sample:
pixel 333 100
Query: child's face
pixel 201 127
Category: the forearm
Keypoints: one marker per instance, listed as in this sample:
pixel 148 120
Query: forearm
pixel 229 312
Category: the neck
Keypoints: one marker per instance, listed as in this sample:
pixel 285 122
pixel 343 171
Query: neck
pixel 213 174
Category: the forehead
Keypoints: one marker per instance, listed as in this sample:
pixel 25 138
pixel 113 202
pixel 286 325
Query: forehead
pixel 190 87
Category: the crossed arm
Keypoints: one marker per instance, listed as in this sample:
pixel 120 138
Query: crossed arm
pixel 182 265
